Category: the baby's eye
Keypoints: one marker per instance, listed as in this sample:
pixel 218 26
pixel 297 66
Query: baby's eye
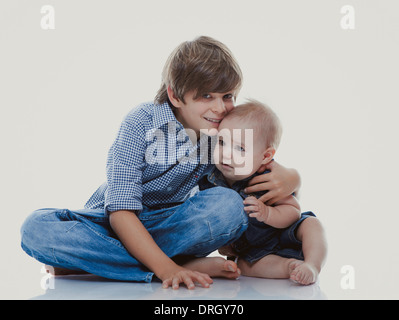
pixel 221 142
pixel 239 148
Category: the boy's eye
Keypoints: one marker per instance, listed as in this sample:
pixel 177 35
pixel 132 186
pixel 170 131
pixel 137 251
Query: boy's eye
pixel 206 96
pixel 228 96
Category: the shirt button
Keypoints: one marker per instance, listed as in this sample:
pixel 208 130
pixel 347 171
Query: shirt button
pixel 169 188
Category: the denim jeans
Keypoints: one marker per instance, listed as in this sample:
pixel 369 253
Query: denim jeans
pixel 83 239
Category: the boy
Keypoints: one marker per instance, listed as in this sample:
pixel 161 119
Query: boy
pixel 142 222
pixel 272 245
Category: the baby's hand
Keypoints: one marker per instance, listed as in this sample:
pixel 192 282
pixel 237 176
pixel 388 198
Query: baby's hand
pixel 256 209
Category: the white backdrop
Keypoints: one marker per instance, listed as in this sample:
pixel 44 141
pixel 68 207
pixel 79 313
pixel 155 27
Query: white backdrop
pixel 331 76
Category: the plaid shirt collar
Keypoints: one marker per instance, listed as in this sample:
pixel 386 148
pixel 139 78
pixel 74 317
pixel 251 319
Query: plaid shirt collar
pixel 163 114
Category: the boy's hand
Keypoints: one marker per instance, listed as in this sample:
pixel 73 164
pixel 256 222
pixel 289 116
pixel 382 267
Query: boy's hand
pixel 186 276
pixel 256 209
pixel 280 182
pixel 148 252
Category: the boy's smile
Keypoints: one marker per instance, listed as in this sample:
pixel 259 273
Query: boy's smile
pixel 215 121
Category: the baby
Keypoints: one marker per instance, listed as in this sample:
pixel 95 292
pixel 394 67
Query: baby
pixel 280 242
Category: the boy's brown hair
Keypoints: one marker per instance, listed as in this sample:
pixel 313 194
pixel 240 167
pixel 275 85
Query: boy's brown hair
pixel 203 65
pixel 263 120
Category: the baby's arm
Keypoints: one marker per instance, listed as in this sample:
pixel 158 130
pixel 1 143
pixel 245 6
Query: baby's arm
pixel 284 213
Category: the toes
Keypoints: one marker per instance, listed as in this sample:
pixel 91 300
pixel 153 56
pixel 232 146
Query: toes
pixel 231 269
pixel 230 266
pixel 303 276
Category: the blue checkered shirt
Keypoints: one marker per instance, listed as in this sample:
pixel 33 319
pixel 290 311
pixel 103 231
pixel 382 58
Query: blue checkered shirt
pixel 152 162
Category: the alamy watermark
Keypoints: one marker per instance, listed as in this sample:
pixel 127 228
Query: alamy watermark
pixel 47 21
pixel 348 278
pixel 172 146
pixel 347 21
pixel 47 282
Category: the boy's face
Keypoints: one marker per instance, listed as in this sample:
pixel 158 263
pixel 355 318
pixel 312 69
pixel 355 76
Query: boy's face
pixel 240 152
pixel 205 113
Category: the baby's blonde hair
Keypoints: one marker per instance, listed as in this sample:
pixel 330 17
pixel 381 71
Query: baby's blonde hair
pixel 264 121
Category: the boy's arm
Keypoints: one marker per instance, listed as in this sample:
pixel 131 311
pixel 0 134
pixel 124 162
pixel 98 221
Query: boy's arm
pixel 123 198
pixel 280 182
pixel 139 243
pixel 284 213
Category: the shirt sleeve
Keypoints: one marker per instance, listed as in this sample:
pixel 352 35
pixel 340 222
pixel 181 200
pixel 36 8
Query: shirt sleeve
pixel 125 166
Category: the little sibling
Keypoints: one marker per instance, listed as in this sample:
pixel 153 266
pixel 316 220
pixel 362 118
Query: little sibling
pixel 280 242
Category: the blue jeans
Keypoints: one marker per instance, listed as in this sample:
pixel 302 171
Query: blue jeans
pixel 84 240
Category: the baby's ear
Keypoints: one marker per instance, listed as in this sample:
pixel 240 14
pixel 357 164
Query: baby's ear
pixel 268 155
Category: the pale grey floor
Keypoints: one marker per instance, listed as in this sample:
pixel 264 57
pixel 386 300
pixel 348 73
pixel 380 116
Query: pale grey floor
pixel 91 287
pixel 22 277
pixel 26 279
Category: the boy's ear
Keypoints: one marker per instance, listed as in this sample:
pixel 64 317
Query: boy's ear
pixel 268 155
pixel 173 98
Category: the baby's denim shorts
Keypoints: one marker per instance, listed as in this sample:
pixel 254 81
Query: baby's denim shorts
pixel 260 240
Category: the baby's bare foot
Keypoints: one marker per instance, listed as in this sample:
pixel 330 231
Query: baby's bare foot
pixel 215 267
pixel 304 273
pixel 293 263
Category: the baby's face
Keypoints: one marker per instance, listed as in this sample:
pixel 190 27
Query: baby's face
pixel 239 152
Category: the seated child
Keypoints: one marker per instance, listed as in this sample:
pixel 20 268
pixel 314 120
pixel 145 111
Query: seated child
pixel 280 242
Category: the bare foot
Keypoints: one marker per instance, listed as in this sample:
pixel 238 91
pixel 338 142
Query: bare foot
pixel 293 264
pixel 55 271
pixel 215 267
pixel 269 267
pixel 304 273
pixel 227 251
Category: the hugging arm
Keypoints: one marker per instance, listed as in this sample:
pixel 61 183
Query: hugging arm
pixel 280 182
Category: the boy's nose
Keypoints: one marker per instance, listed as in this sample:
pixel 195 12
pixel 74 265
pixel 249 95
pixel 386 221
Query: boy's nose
pixel 219 106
